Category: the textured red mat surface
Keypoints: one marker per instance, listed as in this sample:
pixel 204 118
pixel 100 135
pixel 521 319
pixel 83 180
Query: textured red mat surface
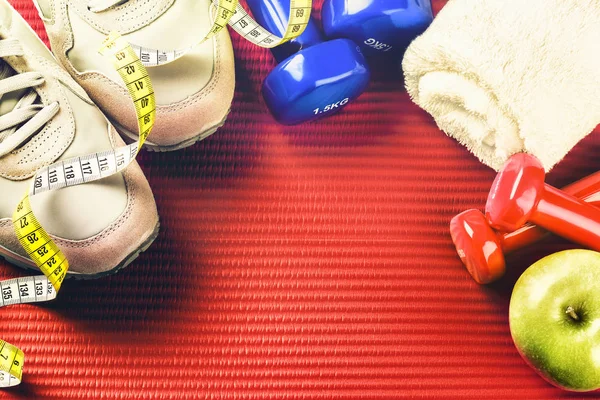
pixel 294 263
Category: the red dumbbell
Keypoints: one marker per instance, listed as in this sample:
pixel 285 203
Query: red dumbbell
pixel 482 249
pixel 519 195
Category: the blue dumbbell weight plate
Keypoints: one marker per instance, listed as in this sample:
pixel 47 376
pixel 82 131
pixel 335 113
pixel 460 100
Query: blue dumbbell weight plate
pixel 377 26
pixel 316 82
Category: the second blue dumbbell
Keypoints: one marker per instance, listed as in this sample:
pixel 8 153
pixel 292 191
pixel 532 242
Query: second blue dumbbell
pixel 314 78
pixel 379 27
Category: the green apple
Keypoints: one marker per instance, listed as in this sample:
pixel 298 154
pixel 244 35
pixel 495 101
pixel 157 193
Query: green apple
pixel 555 318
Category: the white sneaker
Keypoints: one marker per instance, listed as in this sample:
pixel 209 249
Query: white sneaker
pixel 46 117
pixel 193 93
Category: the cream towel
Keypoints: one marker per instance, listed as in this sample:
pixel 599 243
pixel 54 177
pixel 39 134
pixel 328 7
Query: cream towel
pixel 508 76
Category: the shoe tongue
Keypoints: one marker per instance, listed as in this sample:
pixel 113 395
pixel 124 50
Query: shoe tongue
pixel 5 16
pixel 10 100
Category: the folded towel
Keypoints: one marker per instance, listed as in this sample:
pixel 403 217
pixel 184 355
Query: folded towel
pixel 508 76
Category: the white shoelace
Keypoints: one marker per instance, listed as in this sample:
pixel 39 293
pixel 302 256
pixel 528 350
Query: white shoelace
pixel 26 118
pixel 102 5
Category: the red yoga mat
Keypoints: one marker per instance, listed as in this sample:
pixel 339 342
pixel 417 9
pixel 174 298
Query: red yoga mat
pixel 306 262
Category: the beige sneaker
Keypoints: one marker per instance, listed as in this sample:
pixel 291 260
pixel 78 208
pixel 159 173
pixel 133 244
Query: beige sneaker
pixel 46 117
pixel 193 93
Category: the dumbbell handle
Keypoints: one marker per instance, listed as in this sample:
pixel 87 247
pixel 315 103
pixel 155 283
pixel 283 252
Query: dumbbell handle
pixel 567 216
pixel 586 189
pixel 274 16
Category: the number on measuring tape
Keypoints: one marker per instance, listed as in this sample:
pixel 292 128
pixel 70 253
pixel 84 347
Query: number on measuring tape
pixel 11 365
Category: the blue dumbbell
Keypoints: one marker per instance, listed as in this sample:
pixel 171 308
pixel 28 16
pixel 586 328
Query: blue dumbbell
pixel 314 78
pixel 378 26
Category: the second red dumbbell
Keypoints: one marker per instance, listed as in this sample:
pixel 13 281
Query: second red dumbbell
pixel 519 195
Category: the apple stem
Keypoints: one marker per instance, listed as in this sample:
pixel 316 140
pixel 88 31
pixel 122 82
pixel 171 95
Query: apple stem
pixel 572 313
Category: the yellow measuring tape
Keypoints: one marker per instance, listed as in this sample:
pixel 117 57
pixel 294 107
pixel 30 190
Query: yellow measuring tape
pixel 129 61
pixel 46 255
pixel 232 13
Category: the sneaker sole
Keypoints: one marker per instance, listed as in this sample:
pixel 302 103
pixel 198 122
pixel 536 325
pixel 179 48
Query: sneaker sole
pixel 148 145
pixel 21 262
